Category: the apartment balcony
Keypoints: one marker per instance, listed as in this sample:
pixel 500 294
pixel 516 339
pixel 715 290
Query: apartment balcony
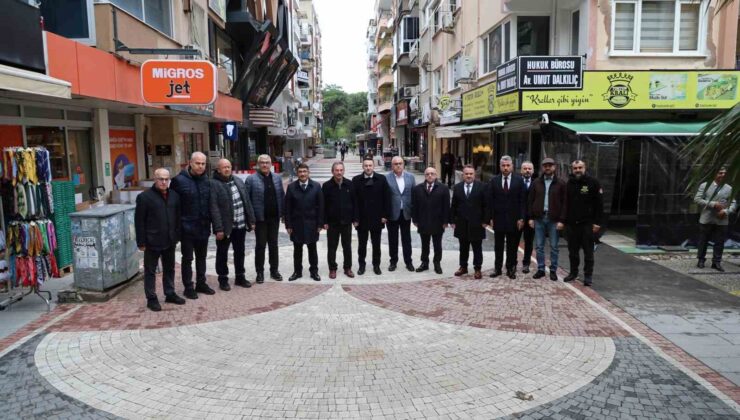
pixel 386 53
pixel 385 23
pixel 385 79
pixel 384 104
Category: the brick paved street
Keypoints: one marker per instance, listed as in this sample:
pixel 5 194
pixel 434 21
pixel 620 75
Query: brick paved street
pixel 400 345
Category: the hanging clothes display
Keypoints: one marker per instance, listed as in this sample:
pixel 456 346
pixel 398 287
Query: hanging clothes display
pixel 31 248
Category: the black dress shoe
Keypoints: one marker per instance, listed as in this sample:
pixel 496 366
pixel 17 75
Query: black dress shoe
pixel 554 275
pixel 224 286
pixel 295 276
pixel 203 288
pixel 437 268
pixel 276 276
pixel 260 278
pixel 191 294
pixel 570 277
pixel 376 270
pixel 718 267
pixel 525 270
pixel 539 274
pixel 361 270
pixel 511 274
pixel 495 274
pixel 700 264
pixel 587 281
pixel 422 267
pixel 154 305
pixel 316 276
pixel 392 267
pixel 410 267
pixel 242 283
pixel 177 300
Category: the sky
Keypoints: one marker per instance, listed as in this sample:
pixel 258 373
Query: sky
pixel 343 31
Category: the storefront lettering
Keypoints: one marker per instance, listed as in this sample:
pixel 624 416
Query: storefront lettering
pixel 546 99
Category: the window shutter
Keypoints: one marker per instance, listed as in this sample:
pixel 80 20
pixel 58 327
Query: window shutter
pixel 658 21
pixel 689 33
pixel 624 26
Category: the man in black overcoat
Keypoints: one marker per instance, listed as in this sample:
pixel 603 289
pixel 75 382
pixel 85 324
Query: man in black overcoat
pixel 469 219
pixel 304 218
pixel 373 198
pixel 430 212
pixel 507 210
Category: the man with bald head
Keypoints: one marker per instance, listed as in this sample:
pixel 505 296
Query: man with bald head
pixel 233 217
pixel 194 188
pixel 430 213
pixel 157 222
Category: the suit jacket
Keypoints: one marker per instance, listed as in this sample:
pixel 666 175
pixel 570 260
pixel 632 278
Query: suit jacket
pixel 430 211
pixel 468 214
pixel 506 208
pixel 339 202
pixel 397 197
pixel 156 220
pixel 304 212
pixel 372 201
pixel 706 197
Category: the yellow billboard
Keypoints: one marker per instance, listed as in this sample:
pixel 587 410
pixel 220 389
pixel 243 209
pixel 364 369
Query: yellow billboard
pixel 635 90
pixel 483 103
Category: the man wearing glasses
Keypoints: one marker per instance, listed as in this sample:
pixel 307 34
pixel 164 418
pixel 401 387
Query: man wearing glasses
pixel 267 196
pixel 157 222
pixel 401 183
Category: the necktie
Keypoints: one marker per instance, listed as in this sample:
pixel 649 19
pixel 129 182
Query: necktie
pixel 506 184
pixel 303 186
pixel 429 188
pixel 527 184
pixel 467 190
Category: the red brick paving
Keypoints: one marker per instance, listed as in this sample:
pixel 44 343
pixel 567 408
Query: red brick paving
pixel 530 306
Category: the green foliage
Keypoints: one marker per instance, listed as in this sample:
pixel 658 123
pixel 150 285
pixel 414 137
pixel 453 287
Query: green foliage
pixel 344 113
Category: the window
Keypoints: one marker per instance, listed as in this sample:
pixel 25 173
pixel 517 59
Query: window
pixel 533 35
pixel 409 33
pixel 575 30
pixel 423 80
pixel 437 82
pixel 155 13
pixel 658 26
pixel 452 69
pixel 71 19
pixel 225 53
pixel 496 48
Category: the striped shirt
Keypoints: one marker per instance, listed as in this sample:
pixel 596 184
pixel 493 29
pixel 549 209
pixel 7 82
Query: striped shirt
pixel 240 220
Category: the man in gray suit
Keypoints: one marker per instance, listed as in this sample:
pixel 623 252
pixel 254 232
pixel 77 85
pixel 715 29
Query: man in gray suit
pixel 401 183
pixel 716 203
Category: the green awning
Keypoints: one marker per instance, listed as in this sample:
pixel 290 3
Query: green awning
pixel 637 128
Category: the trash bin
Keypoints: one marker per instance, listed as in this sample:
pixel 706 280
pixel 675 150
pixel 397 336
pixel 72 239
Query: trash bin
pixel 104 243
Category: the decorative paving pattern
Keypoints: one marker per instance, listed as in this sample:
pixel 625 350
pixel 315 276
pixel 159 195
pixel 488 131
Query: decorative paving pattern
pixel 332 357
pixel 522 305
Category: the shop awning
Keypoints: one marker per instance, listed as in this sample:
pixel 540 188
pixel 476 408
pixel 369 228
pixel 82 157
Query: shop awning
pixel 18 80
pixel 637 128
pixel 455 131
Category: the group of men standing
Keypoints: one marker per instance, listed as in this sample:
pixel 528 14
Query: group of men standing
pixel 192 205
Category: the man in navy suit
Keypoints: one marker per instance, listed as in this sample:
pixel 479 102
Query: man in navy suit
pixel 469 219
pixel 507 210
pixel 401 183
pixel 527 171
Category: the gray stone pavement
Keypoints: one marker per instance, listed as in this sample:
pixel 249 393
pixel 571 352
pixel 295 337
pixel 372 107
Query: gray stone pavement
pixel 31 307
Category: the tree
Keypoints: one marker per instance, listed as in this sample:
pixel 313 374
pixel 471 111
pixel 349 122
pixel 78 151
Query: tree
pixel 344 114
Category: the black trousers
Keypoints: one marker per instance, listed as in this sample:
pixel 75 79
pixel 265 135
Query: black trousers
pixel 313 258
pixel 465 246
pixel 188 247
pixel 362 235
pixel 151 257
pixel 581 236
pixel 715 233
pixel 266 234
pixel 436 242
pixel 448 174
pixel 405 227
pixel 528 234
pixel 509 241
pixel 236 240
pixel 334 233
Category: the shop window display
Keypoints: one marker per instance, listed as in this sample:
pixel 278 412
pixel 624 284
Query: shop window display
pixel 53 139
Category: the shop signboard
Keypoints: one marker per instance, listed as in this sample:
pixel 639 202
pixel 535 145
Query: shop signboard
pixel 484 103
pixel 178 82
pixel 124 157
pixel 507 77
pixel 402 116
pixel 637 90
pixel 542 72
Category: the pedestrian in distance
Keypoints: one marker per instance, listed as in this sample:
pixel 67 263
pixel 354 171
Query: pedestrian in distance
pixel 401 184
pixel 157 225
pixel 267 196
pixel 547 211
pixel 468 218
pixel 233 217
pixel 716 204
pixel 343 150
pixel 340 212
pixel 372 196
pixel 527 232
pixel 430 213
pixel 447 163
pixel 585 212
pixel 194 189
pixel 304 219
pixel 507 212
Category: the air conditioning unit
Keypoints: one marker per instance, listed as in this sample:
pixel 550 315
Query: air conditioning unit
pixel 464 69
pixel 447 21
pixel 409 91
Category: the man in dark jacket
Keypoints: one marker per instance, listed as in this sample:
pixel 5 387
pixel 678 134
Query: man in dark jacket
pixel 507 209
pixel 585 212
pixel 157 222
pixel 304 218
pixel 430 211
pixel 267 197
pixel 447 163
pixel 339 214
pixel 468 218
pixel 527 233
pixel 194 188
pixel 233 217
pixel 546 212
pixel 372 197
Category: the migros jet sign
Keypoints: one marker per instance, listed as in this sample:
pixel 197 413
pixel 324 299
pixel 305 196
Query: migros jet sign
pixel 178 82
